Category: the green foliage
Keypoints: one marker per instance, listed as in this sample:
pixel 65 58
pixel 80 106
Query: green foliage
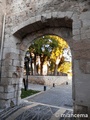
pixel 41 43
pixel 65 67
pixel 51 47
pixel 27 93
pixel 58 50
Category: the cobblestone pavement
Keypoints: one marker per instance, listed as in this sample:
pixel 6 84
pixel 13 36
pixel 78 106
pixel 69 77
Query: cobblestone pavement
pixel 58 96
pixel 48 105
pixel 35 111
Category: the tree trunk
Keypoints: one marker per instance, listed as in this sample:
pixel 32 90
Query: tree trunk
pixel 42 61
pixel 55 71
pixel 35 69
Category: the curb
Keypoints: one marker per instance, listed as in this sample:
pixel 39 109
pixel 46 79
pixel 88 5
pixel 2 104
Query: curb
pixel 36 94
pixel 33 95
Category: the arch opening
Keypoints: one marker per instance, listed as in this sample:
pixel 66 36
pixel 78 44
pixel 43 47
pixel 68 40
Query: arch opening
pixel 64 31
pixel 50 64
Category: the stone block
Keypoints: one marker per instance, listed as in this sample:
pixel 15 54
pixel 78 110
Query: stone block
pixel 6 96
pixel 54 14
pixel 48 16
pixel 81 45
pixel 77 25
pixel 17 93
pixel 61 15
pixel 76 31
pixel 21 80
pixel 85 35
pixel 85 15
pixel 32 20
pixel 11 55
pixel 85 66
pixel 11 41
pixel 10 68
pixel 81 85
pixel 1 89
pixel 9 88
pixel 6 74
pixel 5 61
pixel 4 81
pixel 13 81
pixel 4 104
pixel 9 81
pixel 16 74
pixel 77 37
pixel 22 63
pixel 86 23
pixel 20 86
pixel 38 18
pixel 81 93
pixel 75 17
pixel 16 63
pixel 22 47
pixel 85 30
pixel 69 14
pixel 88 67
pixel 79 54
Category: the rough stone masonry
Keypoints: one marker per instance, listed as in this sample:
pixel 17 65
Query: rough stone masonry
pixel 26 20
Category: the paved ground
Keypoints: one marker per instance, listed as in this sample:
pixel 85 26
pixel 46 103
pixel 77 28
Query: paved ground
pixel 38 87
pixel 58 96
pixel 35 111
pixel 48 105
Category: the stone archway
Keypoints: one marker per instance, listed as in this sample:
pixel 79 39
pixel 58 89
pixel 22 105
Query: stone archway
pixel 63 24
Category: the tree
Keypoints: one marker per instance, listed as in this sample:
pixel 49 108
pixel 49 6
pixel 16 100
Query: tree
pixel 43 47
pixel 65 67
pixel 57 53
pixel 49 49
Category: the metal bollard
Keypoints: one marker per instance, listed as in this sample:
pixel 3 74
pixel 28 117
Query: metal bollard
pixel 24 83
pixel 44 88
pixel 66 83
pixel 53 84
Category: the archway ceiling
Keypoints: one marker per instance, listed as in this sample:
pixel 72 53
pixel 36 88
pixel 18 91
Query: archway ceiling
pixel 50 23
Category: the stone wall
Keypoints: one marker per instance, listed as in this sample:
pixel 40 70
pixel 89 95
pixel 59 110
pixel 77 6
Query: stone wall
pixel 49 80
pixel 20 11
pixel 29 19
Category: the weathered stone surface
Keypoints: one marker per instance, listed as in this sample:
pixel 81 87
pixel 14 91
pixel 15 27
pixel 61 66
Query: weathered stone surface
pixel 85 15
pixel 1 89
pixel 9 81
pixel 7 96
pixel 82 82
pixel 81 45
pixel 11 55
pixel 81 109
pixel 82 54
pixel 48 80
pixel 4 104
pixel 76 31
pixel 10 88
pixel 77 25
pixel 85 66
pixel 77 37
